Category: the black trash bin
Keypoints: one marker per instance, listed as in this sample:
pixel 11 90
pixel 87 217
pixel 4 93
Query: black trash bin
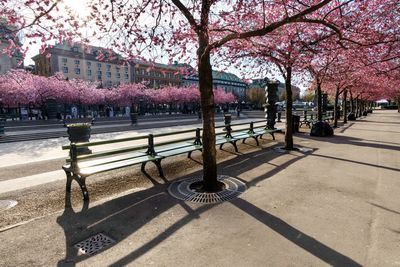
pixel 296 123
pixel 2 125
pixel 227 118
pixel 134 118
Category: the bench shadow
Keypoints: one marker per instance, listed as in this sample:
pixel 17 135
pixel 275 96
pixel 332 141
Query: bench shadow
pixel 124 216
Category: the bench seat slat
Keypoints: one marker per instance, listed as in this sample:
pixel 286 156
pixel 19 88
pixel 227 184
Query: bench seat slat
pixel 94 162
pixel 179 150
pixel 116 165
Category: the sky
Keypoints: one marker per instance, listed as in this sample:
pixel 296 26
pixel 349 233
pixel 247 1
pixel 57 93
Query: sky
pixel 79 8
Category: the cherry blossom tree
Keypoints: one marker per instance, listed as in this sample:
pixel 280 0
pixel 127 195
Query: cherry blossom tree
pixel 180 27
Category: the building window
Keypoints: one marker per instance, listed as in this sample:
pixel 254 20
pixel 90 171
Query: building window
pixel 65 69
pixel 108 74
pixel 118 75
pixel 77 71
pixel 117 68
pixel 108 66
pixel 126 76
pixel 75 49
pixel 64 60
pixel 89 64
pixel 77 62
pixel 99 65
pixel 89 72
pixel 99 73
pixel 99 77
pixel 126 69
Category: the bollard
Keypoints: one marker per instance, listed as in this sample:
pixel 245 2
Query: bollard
pixel 227 118
pixel 134 119
pixel 279 116
pixel 2 125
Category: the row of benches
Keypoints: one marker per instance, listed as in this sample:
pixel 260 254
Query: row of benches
pixel 310 119
pixel 143 149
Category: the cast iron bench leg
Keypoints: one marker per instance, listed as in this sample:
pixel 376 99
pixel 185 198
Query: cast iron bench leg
pixel 235 146
pixel 221 145
pixel 255 138
pixel 244 140
pixel 82 184
pixel 69 181
pixel 273 136
pixel 160 170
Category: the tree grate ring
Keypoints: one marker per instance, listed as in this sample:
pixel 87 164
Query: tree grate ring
pixel 181 190
pixel 93 244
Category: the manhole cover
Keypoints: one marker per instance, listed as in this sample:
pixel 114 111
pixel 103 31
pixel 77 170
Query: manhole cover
pixel 7 204
pixel 93 244
pixel 181 190
pixel 282 149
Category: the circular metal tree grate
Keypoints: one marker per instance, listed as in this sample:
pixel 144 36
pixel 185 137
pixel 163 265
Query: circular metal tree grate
pixel 7 204
pixel 181 190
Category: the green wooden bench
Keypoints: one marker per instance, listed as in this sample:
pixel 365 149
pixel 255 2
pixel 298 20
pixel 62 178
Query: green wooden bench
pixel 233 135
pixel 79 167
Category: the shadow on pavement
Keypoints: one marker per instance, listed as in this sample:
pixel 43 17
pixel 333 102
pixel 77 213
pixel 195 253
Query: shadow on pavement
pixel 121 217
pixel 347 140
pixel 308 243
pixel 358 162
pixel 384 208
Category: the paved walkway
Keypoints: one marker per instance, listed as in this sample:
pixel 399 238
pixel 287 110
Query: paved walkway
pixel 337 205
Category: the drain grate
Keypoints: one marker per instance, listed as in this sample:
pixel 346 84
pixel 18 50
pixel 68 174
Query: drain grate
pixel 7 204
pixel 94 243
pixel 181 190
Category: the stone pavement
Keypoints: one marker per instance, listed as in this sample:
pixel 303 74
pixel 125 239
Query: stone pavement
pixel 336 205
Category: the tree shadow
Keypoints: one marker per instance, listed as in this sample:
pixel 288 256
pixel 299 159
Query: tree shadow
pixel 140 208
pixel 306 242
pixel 358 162
pixel 353 141
pixel 384 208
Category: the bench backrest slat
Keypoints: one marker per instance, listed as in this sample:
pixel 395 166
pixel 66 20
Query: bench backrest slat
pixel 111 152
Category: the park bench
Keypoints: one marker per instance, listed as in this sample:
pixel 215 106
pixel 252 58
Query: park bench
pixel 233 135
pixel 79 167
pixel 309 120
pixel 143 149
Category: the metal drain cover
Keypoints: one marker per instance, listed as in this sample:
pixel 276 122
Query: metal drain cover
pixel 181 190
pixel 7 204
pixel 93 244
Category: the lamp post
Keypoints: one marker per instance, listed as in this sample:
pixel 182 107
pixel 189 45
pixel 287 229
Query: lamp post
pixel 271 97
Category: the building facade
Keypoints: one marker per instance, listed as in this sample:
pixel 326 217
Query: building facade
pixel 221 80
pixel 7 63
pixel 155 74
pixel 77 62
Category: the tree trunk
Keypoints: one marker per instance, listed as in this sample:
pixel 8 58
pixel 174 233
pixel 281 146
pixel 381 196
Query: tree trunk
pixel 319 101
pixel 289 106
pixel 345 106
pixel 210 182
pixel 335 108
pixel 351 103
pixel 398 105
